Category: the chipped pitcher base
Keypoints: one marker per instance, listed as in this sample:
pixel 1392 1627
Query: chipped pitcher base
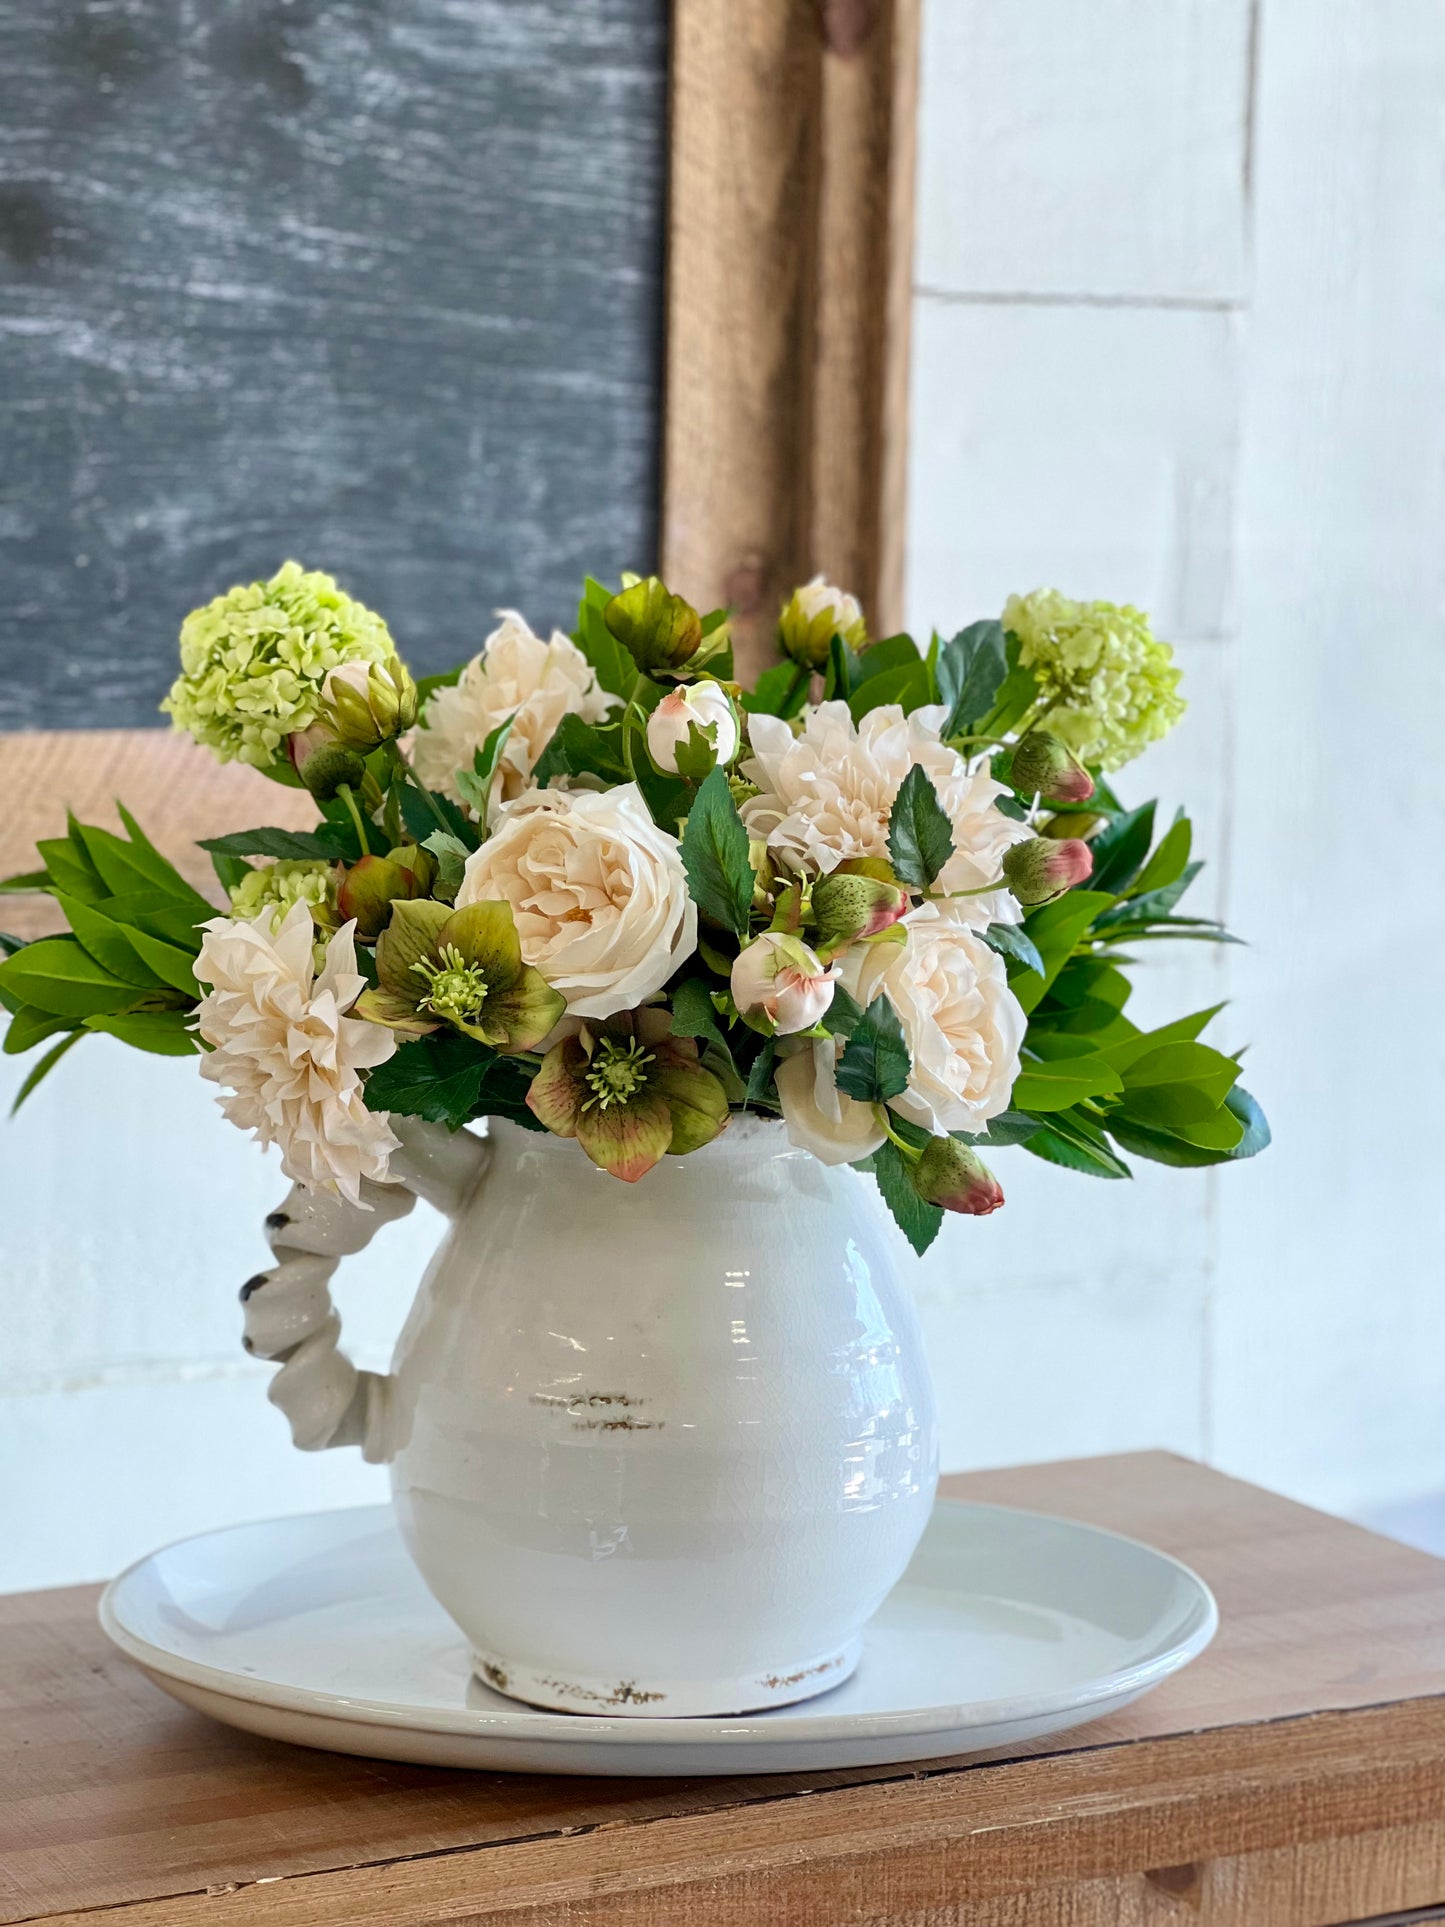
pixel 670 1699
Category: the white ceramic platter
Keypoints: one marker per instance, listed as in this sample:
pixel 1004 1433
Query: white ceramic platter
pixel 318 1630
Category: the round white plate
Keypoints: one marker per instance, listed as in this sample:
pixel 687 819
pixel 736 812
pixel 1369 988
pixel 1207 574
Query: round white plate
pixel 318 1630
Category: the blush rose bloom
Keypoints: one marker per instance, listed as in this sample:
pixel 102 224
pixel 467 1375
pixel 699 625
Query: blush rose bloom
pixel 825 795
pixel 287 1053
pixel 597 890
pixel 817 1116
pixel 536 683
pixel 963 1025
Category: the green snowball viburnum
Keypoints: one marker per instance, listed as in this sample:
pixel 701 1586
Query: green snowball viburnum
pixel 254 662
pixel 1107 686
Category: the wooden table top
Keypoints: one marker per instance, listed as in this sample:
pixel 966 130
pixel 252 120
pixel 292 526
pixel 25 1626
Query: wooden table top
pixel 1292 1777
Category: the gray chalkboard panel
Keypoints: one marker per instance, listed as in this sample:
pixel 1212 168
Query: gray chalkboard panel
pixel 373 283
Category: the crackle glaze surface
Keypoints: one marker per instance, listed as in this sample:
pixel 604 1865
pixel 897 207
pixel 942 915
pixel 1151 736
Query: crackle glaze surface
pixel 662 1448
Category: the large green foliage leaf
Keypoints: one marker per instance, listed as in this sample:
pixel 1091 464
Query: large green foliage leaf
pixel 715 856
pixel 969 670
pixel 875 1063
pixel 59 976
pixel 1054 930
pixel 1056 1084
pixel 920 837
pixel 322 844
pixel 448 1078
pixel 916 1218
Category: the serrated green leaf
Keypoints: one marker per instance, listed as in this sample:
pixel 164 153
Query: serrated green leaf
pixel 45 1067
pixel 577 748
pixel 697 757
pixel 423 811
pixel 612 666
pixel 695 1015
pixel 969 671
pixel 916 1218
pixel 322 844
pixel 447 1078
pixel 714 846
pixel 760 1077
pixel 844 1013
pixel 1013 942
pixel 875 1063
pixel 58 975
pixel 920 836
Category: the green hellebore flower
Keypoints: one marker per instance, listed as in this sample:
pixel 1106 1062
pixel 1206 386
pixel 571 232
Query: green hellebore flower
pixel 628 1102
pixel 440 966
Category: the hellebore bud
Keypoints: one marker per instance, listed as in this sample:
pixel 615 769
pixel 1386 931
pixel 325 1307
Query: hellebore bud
pixel 332 768
pixel 950 1174
pixel 669 726
pixel 779 977
pixel 368 704
pixel 368 891
pixel 811 618
pixel 846 908
pixel 1042 869
pixel 660 631
pixel 1043 766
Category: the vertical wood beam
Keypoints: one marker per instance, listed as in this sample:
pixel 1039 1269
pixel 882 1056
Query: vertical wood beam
pixel 790 249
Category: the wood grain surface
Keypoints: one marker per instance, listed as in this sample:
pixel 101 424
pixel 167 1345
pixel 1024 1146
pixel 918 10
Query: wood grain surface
pixel 1292 1777
pixel 373 283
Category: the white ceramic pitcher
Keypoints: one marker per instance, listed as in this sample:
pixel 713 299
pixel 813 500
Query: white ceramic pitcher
pixel 658 1448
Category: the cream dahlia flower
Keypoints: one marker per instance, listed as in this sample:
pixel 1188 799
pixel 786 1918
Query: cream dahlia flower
pixel 825 795
pixel 287 1053
pixel 518 675
pixel 597 890
pixel 963 1025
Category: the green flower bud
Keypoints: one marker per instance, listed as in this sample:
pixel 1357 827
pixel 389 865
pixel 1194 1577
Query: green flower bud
pixel 369 704
pixel 1042 869
pixel 369 890
pixel 811 618
pixel 846 908
pixel 950 1174
pixel 1084 823
pixel 330 769
pixel 1043 766
pixel 420 862
pixel 661 632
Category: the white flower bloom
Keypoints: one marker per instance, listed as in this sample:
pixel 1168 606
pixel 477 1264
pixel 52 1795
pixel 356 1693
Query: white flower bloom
pixel 818 1117
pixel 598 893
pixel 826 794
pixel 963 1025
pixel 703 703
pixel 286 1051
pixel 517 674
pixel 781 977
pixel 820 594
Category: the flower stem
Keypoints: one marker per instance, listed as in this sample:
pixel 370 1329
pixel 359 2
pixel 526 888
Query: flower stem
pixel 880 1113
pixel 344 791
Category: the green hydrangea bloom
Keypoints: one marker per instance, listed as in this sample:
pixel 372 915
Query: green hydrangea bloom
pixel 299 880
pixel 254 661
pixel 1109 688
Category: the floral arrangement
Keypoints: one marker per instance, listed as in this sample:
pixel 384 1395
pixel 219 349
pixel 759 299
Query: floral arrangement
pixel 595 886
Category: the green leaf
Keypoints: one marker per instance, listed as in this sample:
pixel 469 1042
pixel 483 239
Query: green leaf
pixel 451 855
pixel 160 916
pixel 427 686
pixel 1057 1084
pixel 906 685
pixel 1152 906
pixel 320 844
pixel 875 1063
pixel 578 749
pixel 1194 1065
pixel 1170 858
pixel 475 783
pixel 760 1077
pixel 45 1067
pixel 423 811
pixel 172 964
pixel 108 943
pixel 969 671
pixel 1015 696
pixel 916 1218
pixel 780 691
pixel 694 1014
pixel 1183 1030
pixel 26 884
pixel 230 870
pixel 920 837
pixel 70 868
pixel 438 1078
pixel 163 1033
pixel 1256 1125
pixel 715 857
pixel 1012 941
pixel 890 652
pixel 130 866
pixel 1009 1127
pixel 1120 848
pixel 1090 977
pixel 844 1014
pixel 58 975
pixel 10 944
pixel 697 757
pixel 1055 929
pixel 1072 1141
pixel 29 1027
pixel 1171 1147
pixel 842 676
pixel 613 668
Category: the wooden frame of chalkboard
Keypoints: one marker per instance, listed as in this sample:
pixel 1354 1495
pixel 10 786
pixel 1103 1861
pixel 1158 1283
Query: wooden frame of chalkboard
pixel 784 409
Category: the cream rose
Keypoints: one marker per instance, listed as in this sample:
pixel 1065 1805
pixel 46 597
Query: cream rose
pixel 963 1025
pixel 818 1117
pixel 286 1051
pixel 598 893
pixel 536 683
pixel 826 794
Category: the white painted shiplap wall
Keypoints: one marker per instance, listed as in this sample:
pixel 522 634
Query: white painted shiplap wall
pixel 1180 340
pixel 1180 332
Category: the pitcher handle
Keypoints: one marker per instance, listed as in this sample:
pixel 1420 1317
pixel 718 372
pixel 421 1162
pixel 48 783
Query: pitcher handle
pixel 289 1314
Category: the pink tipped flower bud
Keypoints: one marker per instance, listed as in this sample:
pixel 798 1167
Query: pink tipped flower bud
pixel 950 1174
pixel 849 907
pixel 780 978
pixel 1044 766
pixel 670 724
pixel 1042 869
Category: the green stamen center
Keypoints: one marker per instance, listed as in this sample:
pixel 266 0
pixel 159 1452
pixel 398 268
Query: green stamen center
pixel 616 1074
pixel 455 989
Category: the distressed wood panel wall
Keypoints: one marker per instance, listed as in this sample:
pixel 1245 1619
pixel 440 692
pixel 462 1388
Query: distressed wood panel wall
pixel 377 282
